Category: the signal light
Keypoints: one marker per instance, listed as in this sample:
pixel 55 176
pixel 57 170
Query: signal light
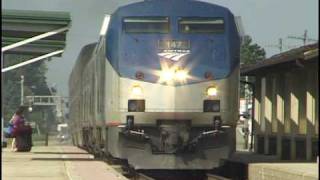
pixel 212 91
pixel 136 90
pixel 181 75
pixel 167 75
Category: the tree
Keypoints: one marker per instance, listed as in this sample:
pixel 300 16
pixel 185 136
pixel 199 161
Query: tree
pixel 251 53
pixel 34 84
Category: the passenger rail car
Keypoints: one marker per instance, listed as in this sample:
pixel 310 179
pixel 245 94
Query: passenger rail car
pixel 160 87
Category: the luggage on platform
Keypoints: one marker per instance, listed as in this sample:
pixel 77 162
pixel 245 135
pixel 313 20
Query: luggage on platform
pixel 8 132
pixel 24 140
pixel 21 130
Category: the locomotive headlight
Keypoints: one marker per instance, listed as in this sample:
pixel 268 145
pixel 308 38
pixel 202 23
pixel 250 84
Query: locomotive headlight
pixel 181 75
pixel 136 90
pixel 212 91
pixel 167 75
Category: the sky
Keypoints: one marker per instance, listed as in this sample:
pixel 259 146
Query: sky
pixel 264 20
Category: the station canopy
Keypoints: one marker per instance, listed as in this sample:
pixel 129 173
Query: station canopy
pixel 22 25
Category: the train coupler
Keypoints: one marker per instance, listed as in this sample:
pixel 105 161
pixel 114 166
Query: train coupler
pixel 135 134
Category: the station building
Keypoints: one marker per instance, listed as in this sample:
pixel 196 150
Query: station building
pixel 286 102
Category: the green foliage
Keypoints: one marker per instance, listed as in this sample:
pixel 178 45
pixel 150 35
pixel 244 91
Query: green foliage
pixel 251 53
pixel 34 84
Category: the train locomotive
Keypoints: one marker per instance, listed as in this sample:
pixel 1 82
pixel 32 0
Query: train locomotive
pixel 159 88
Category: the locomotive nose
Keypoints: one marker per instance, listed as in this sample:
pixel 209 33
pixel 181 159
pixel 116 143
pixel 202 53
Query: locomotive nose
pixel 173 137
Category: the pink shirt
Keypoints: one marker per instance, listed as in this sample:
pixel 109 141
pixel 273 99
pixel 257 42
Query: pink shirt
pixel 17 121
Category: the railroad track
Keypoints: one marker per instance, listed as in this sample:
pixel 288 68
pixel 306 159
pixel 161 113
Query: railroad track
pixel 216 177
pixel 131 174
pixel 141 176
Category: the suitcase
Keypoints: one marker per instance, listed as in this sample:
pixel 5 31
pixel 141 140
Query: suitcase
pixel 24 142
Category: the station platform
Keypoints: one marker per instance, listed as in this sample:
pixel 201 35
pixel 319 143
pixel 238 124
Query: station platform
pixel 252 166
pixel 55 162
pixel 283 171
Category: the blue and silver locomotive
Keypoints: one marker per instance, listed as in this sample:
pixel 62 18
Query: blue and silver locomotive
pixel 160 87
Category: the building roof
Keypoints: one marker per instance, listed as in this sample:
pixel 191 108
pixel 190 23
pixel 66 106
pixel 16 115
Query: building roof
pixel 301 54
pixel 18 25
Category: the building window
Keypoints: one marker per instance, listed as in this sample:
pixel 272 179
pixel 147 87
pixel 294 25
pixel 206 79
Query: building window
pixel 300 149
pixel 315 149
pixel 286 149
pixel 272 145
pixel 260 144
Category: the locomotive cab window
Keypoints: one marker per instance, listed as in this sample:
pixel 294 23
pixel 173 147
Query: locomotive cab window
pixel 146 24
pixel 201 25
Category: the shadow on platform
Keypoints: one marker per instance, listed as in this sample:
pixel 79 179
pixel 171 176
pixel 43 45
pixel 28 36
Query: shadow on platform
pixel 62 159
pixel 59 153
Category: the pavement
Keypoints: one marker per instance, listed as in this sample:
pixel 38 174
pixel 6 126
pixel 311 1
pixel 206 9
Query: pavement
pixel 55 162
pixel 284 171
pixel 65 162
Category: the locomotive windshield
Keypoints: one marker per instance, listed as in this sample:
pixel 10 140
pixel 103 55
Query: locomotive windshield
pixel 146 24
pixel 201 25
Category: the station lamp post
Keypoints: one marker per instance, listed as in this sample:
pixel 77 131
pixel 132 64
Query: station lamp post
pixel 22 94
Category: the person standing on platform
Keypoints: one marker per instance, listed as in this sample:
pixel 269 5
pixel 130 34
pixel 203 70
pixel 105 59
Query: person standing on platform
pixel 17 121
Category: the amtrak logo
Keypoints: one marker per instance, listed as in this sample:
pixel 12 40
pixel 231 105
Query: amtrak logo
pixel 174 55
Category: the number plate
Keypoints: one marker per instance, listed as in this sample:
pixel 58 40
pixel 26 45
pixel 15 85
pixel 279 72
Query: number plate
pixel 173 44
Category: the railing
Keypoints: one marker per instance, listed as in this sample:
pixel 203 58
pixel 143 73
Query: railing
pixel 43 100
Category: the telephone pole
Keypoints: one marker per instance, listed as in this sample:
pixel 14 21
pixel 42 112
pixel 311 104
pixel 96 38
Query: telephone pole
pixel 304 38
pixel 279 45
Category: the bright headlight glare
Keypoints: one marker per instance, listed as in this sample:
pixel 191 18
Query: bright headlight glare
pixel 212 91
pixel 181 75
pixel 167 75
pixel 136 90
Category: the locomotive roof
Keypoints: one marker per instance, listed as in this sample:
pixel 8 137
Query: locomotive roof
pixel 85 54
pixel 181 7
pixel 83 58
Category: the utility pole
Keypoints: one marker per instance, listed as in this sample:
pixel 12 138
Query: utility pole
pixel 279 45
pixel 304 38
pixel 246 92
pixel 2 109
pixel 45 116
pixel 22 82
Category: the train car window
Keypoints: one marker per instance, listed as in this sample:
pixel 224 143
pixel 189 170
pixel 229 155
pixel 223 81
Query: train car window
pixel 146 25
pixel 201 25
